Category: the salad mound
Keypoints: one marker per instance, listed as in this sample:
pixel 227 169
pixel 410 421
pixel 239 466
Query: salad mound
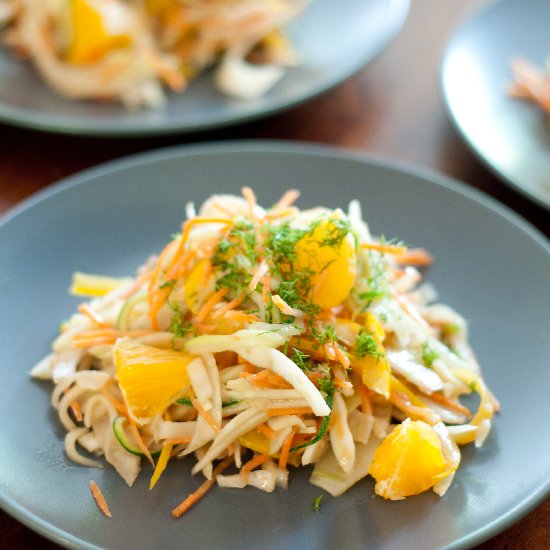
pixel 261 340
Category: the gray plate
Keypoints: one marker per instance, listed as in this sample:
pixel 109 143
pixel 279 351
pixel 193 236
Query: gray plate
pixel 490 265
pixel 333 39
pixel 512 137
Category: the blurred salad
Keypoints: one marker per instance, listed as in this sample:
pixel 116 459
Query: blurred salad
pixel 132 50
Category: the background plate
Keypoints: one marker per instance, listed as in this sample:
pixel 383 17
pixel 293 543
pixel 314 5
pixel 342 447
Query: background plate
pixel 333 39
pixel 490 265
pixel 511 136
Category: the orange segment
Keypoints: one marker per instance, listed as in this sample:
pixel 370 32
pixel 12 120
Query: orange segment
pixel 409 461
pixel 98 27
pixel 333 264
pixel 150 378
pixel 375 373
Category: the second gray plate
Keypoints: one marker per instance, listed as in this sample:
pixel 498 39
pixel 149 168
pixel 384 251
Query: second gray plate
pixel 511 136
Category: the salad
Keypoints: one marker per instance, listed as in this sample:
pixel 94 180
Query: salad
pixel 531 83
pixel 261 340
pixel 130 50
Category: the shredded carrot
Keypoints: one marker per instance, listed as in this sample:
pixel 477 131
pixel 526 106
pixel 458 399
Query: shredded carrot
pixel 77 411
pixel 180 267
pixel 250 198
pixel 228 306
pixel 89 338
pixel 262 269
pixel 266 430
pixel 326 315
pixel 266 379
pixel 385 248
pixel 281 214
pixel 119 406
pixel 158 296
pixel 288 198
pixel 254 462
pixel 250 368
pixel 206 415
pixel 140 443
pixel 210 303
pixel 266 287
pixel 415 256
pixel 285 308
pixel 93 315
pixel 193 498
pixel 366 405
pixel 330 351
pixel 442 400
pixel 100 499
pixel 342 357
pixel 161 464
pixel 402 401
pixel 409 309
pixel 288 410
pixel 285 449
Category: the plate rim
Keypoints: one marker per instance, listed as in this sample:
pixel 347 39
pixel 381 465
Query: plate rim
pixel 247 147
pixel 470 20
pixel 397 13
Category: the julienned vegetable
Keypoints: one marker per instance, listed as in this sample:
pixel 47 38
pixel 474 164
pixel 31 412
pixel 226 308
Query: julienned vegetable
pixel 265 340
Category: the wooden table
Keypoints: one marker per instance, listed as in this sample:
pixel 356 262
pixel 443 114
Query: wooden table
pixel 393 108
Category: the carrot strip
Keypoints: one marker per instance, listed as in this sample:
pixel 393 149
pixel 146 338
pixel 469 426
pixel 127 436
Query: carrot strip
pixel 285 449
pixel 266 287
pixel 385 248
pixel 193 498
pixel 266 379
pixel 266 430
pixel 330 351
pixel 254 462
pixel 210 303
pixel 285 308
pixel 94 316
pixel 77 411
pixel 140 443
pixel 250 198
pixel 262 269
pixel 408 308
pixel 289 197
pixel 288 410
pixel 119 406
pixel 366 405
pixel 415 256
pixel 343 359
pixel 100 499
pixel 442 400
pixel 161 464
pixel 91 342
pixel 281 214
pixel 228 306
pixel 206 415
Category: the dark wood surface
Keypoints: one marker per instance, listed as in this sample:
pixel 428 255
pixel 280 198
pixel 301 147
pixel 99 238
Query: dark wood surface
pixel 392 109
